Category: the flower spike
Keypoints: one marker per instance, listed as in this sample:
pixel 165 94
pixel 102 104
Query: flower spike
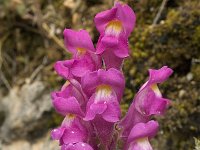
pixel 90 98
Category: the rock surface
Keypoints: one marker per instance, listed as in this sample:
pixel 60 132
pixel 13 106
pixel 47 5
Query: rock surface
pixel 44 143
pixel 24 109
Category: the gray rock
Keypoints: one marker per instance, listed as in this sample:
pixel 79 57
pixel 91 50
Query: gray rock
pixel 25 108
pixel 44 143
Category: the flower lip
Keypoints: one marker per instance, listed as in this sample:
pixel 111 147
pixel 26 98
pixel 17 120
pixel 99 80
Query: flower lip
pixel 142 130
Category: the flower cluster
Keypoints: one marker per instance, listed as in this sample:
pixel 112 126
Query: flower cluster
pixel 90 98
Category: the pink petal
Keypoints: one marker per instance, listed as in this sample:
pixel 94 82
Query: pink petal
pixel 102 18
pixel 77 39
pixel 112 113
pixel 112 61
pixel 63 68
pixel 160 75
pixel 68 105
pixel 142 130
pixel 127 16
pixel 77 146
pixel 57 133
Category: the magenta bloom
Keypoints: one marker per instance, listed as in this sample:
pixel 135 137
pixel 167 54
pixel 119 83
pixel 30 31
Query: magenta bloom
pixel 84 60
pixel 104 90
pixel 77 146
pixel 148 101
pixel 117 22
pixel 140 134
pixel 72 130
pixel 68 100
pixel 90 99
pixel 114 25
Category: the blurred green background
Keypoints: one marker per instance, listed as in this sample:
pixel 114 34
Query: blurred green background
pixel 167 32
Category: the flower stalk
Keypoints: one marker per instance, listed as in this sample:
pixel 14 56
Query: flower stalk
pixel 90 99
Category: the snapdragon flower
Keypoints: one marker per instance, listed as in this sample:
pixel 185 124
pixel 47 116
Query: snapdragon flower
pixel 148 101
pixel 68 100
pixel 90 98
pixel 104 89
pixel 80 45
pixel 71 130
pixel 114 25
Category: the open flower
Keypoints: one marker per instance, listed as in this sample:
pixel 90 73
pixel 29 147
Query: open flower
pixel 148 101
pixel 84 60
pixel 104 90
pixel 72 130
pixel 69 100
pixel 140 134
pixel 114 25
pixel 117 22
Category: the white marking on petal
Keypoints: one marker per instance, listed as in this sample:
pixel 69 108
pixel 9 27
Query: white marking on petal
pixel 141 144
pixel 114 28
pixel 69 119
pixel 155 88
pixel 103 92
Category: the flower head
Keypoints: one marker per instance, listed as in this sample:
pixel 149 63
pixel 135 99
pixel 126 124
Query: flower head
pixel 84 60
pixel 72 130
pixel 104 90
pixel 68 100
pixel 90 99
pixel 116 22
pixel 148 101
pixel 114 25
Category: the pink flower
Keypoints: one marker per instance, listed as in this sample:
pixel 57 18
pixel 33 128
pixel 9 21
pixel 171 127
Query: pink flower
pixel 69 100
pixel 90 99
pixel 148 101
pixel 114 25
pixel 84 60
pixel 104 90
pixel 72 130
